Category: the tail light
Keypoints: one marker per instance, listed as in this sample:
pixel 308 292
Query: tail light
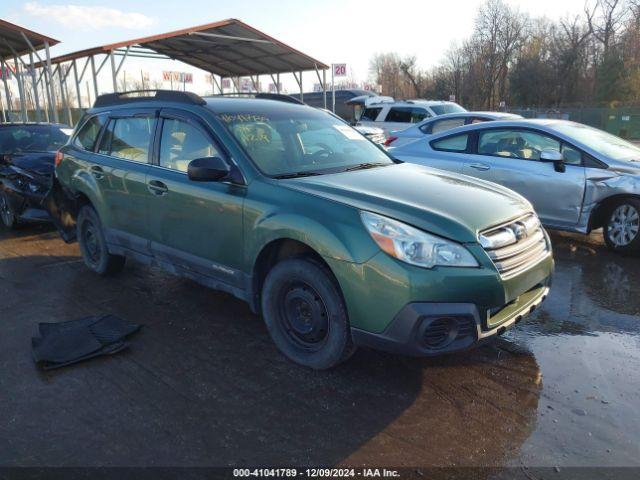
pixel 390 140
pixel 58 158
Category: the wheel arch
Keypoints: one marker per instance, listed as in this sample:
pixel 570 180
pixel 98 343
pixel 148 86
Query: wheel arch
pixel 599 214
pixel 274 252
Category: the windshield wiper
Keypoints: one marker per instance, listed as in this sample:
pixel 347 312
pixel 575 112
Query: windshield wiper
pixel 362 166
pixel 296 175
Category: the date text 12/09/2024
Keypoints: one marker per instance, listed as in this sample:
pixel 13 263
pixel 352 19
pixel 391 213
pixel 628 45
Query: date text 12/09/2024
pixel 316 473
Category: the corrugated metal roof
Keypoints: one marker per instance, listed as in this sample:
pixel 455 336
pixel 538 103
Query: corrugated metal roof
pixel 10 34
pixel 229 48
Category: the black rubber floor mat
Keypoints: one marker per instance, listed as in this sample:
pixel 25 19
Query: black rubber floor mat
pixel 66 343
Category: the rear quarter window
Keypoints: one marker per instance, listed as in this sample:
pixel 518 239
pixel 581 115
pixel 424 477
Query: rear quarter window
pixel 370 114
pixel 457 143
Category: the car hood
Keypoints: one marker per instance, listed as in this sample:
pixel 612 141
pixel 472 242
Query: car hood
pixel 446 204
pixel 41 163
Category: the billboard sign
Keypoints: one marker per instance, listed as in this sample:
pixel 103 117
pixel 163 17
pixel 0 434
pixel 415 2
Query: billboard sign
pixel 177 77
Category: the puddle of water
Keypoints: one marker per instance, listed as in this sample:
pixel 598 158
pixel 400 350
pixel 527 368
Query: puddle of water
pixel 586 341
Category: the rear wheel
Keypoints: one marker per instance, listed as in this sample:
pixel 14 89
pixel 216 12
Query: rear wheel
pixel 622 227
pixel 93 244
pixel 305 315
pixel 7 214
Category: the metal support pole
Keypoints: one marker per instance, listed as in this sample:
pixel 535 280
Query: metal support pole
pixel 114 72
pixel 333 89
pixel 88 93
pixel 324 88
pixel 34 82
pixel 301 89
pixel 278 83
pixel 7 92
pixel 77 82
pixel 4 113
pixel 65 99
pixel 49 84
pixel 94 76
pixel 23 98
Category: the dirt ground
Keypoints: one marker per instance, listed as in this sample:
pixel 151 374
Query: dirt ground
pixel 203 385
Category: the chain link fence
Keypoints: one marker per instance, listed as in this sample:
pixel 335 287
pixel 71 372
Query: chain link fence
pixel 621 121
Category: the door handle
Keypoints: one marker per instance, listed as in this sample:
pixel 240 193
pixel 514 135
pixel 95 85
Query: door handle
pixel 480 166
pixel 97 172
pixel 157 187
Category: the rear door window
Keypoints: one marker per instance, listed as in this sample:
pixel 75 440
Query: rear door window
pixel 406 115
pixel 88 134
pixel 443 125
pixel 128 138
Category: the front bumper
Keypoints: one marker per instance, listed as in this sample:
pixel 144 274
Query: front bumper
pixel 26 195
pixel 427 329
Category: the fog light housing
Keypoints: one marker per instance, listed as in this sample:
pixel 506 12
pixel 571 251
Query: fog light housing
pixel 439 332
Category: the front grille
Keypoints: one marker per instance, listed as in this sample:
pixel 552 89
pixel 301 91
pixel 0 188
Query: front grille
pixel 516 246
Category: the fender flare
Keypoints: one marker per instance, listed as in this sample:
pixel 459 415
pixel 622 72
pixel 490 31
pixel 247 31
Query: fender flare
pixel 326 242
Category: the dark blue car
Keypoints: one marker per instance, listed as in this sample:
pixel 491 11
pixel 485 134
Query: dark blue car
pixel 27 153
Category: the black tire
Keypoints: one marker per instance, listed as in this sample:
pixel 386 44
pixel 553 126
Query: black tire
pixel 305 314
pixel 621 228
pixel 8 216
pixel 93 245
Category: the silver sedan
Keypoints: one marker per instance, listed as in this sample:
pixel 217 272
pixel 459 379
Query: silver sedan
pixel 433 125
pixel 578 178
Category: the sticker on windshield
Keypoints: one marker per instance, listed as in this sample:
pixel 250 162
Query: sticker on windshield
pixel 348 132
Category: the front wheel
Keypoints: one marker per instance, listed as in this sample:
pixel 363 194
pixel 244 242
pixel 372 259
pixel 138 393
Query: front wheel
pixel 622 227
pixel 93 244
pixel 305 315
pixel 7 214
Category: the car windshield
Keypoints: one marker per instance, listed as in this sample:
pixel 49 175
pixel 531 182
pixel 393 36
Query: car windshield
pixel 602 142
pixel 32 138
pixel 445 108
pixel 290 140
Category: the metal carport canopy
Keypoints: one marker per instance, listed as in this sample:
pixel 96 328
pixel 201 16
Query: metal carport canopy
pixel 229 48
pixel 16 42
pixel 15 39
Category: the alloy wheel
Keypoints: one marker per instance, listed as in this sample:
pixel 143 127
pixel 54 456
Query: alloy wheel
pixel 624 225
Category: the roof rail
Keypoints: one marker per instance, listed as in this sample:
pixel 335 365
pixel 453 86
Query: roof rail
pixel 280 97
pixel 120 98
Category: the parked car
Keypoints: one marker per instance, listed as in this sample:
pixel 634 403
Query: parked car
pixel 375 134
pixel 578 178
pixel 392 115
pixel 433 125
pixel 27 152
pixel 345 109
pixel 291 210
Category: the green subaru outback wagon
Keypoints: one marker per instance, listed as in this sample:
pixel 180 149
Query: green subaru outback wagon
pixel 332 241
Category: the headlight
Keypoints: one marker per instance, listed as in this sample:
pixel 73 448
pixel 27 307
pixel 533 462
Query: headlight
pixel 414 246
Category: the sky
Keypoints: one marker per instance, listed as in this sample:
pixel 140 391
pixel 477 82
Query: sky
pixel 332 31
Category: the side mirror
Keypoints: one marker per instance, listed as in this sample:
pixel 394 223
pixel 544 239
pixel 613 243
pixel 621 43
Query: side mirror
pixel 555 157
pixel 208 169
